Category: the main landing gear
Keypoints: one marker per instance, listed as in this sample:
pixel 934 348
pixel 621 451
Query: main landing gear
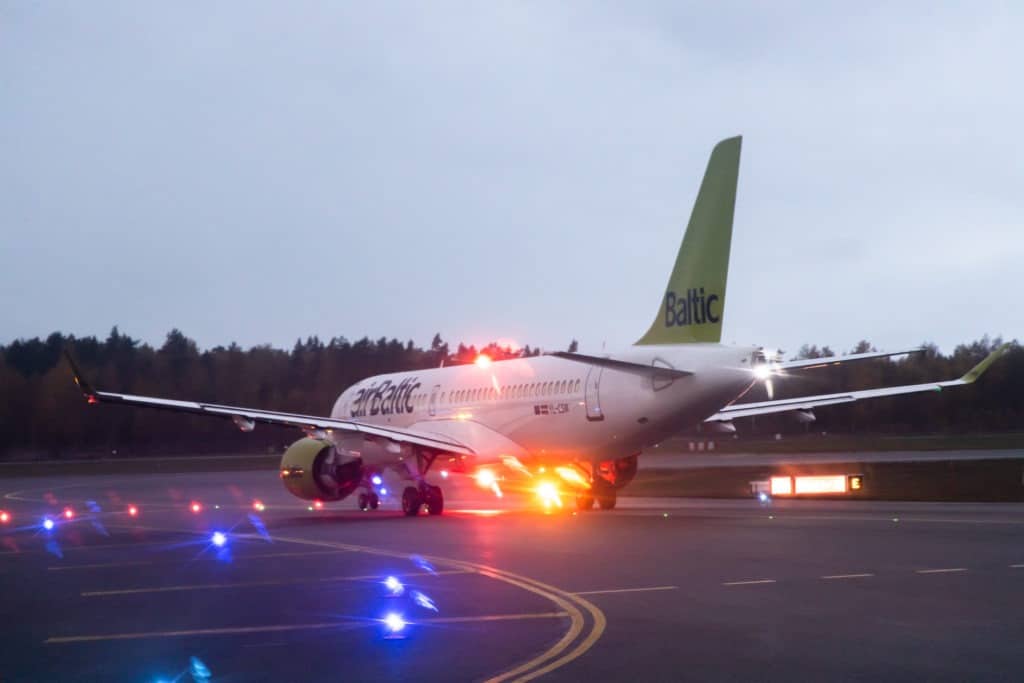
pixel 423 494
pixel 601 491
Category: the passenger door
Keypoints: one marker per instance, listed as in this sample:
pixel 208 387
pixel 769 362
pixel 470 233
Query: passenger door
pixel 592 393
pixel 433 399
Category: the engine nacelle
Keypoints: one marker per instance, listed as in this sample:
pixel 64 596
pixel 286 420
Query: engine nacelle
pixel 313 469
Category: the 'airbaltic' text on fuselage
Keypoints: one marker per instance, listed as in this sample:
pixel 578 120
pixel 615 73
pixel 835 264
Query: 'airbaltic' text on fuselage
pixel 387 398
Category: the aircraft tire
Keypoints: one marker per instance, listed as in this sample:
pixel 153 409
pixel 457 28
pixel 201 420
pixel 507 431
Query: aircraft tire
pixel 584 501
pixel 604 493
pixel 434 499
pixel 411 501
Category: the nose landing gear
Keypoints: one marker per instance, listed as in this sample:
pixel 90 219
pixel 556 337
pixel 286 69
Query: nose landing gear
pixel 369 501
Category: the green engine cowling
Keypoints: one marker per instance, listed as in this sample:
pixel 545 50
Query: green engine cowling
pixel 312 469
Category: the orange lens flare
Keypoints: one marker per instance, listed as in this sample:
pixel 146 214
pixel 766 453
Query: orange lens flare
pixel 486 479
pixel 69 513
pixel 547 491
pixel 483 361
pixel 196 507
pixel 572 476
pixel 781 486
pixel 258 506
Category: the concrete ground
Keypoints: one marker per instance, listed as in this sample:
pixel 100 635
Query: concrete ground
pixel 659 589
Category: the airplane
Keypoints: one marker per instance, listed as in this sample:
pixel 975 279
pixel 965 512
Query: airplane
pixel 582 418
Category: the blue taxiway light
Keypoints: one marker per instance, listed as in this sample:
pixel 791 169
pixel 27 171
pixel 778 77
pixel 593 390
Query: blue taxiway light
pixel 424 601
pixel 48 524
pixel 219 539
pixel 394 586
pixel 377 481
pixel 394 622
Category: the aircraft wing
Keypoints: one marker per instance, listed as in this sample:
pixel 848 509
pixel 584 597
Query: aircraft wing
pixel 246 418
pixel 736 410
pixel 810 363
pixel 625 366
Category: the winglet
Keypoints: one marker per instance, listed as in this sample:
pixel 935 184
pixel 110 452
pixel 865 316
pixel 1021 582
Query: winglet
pixel 87 390
pixel 975 372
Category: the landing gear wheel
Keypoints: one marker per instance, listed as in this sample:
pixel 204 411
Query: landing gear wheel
pixel 604 492
pixel 434 499
pixel 364 502
pixel 411 501
pixel 374 501
pixel 584 501
pixel 606 499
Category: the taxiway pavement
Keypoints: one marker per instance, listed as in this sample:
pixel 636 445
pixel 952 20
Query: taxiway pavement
pixel 658 589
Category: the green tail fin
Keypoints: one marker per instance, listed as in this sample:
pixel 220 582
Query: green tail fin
pixel 694 302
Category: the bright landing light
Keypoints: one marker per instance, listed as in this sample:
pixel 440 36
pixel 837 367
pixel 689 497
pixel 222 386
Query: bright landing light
pixel 486 479
pixel 548 494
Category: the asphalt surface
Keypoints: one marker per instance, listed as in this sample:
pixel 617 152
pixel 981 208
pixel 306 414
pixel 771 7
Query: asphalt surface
pixel 659 589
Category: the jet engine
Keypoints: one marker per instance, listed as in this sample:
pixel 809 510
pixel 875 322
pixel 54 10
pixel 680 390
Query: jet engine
pixel 313 469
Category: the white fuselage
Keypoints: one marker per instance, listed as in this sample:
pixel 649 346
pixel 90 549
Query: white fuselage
pixel 557 409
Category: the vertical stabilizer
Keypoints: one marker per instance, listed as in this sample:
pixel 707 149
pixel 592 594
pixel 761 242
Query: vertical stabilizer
pixel 693 306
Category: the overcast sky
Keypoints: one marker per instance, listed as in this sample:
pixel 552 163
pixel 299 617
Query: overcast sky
pixel 257 172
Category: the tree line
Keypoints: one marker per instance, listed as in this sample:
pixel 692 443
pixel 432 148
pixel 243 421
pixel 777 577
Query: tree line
pixel 43 415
